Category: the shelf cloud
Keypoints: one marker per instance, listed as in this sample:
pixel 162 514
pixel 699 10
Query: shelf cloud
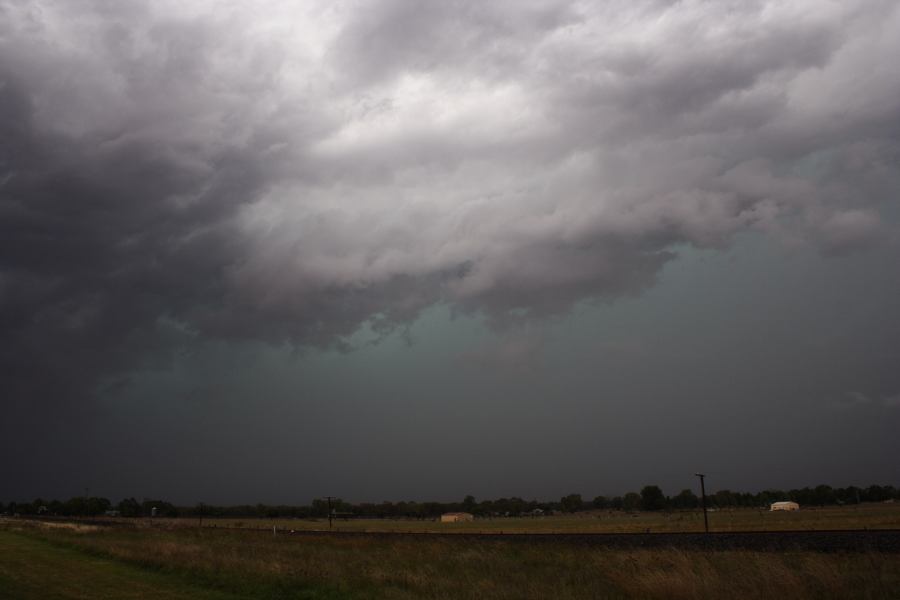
pixel 287 172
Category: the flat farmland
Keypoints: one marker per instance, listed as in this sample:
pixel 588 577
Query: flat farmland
pixel 866 516
pixel 62 562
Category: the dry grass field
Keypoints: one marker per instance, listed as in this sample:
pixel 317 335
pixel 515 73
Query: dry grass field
pixel 189 562
pixel 864 516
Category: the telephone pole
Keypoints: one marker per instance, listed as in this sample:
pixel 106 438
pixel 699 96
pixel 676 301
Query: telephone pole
pixel 330 513
pixel 703 501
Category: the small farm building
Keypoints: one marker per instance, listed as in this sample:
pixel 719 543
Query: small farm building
pixel 784 506
pixel 456 517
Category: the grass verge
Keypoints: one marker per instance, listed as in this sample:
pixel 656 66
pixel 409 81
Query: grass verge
pixel 248 565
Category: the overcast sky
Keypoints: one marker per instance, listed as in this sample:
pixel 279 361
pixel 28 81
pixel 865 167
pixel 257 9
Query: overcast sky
pixel 393 249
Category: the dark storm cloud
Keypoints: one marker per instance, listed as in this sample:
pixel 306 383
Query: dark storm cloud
pixel 268 172
pixel 113 219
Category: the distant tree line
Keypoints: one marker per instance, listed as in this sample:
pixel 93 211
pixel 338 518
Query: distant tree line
pixel 650 498
pixel 82 506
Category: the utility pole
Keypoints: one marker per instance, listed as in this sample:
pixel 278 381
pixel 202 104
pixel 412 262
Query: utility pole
pixel 330 513
pixel 703 501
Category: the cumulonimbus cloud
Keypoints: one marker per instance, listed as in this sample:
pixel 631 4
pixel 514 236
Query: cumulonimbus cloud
pixel 286 172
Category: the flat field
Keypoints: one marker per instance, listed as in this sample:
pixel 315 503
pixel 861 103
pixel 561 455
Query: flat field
pixel 33 568
pixel 864 516
pixel 57 561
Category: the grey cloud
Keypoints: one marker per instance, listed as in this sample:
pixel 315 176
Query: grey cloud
pixel 516 351
pixel 383 39
pixel 846 231
pixel 288 174
pixel 858 400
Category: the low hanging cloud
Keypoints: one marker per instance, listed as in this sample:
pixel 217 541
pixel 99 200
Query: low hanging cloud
pixel 288 171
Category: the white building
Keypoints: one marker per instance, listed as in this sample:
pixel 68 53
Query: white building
pixel 784 506
pixel 456 517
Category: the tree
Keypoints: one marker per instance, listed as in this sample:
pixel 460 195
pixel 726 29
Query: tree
pixel 848 495
pixel 601 502
pixel 97 506
pixel 163 508
pixel 571 503
pixel 685 499
pixel 319 508
pixel 652 498
pixel 824 495
pixel 129 507
pixel 631 501
pixel 469 504
pixel 877 493
pixel 724 498
pixel 74 506
pixel 767 497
